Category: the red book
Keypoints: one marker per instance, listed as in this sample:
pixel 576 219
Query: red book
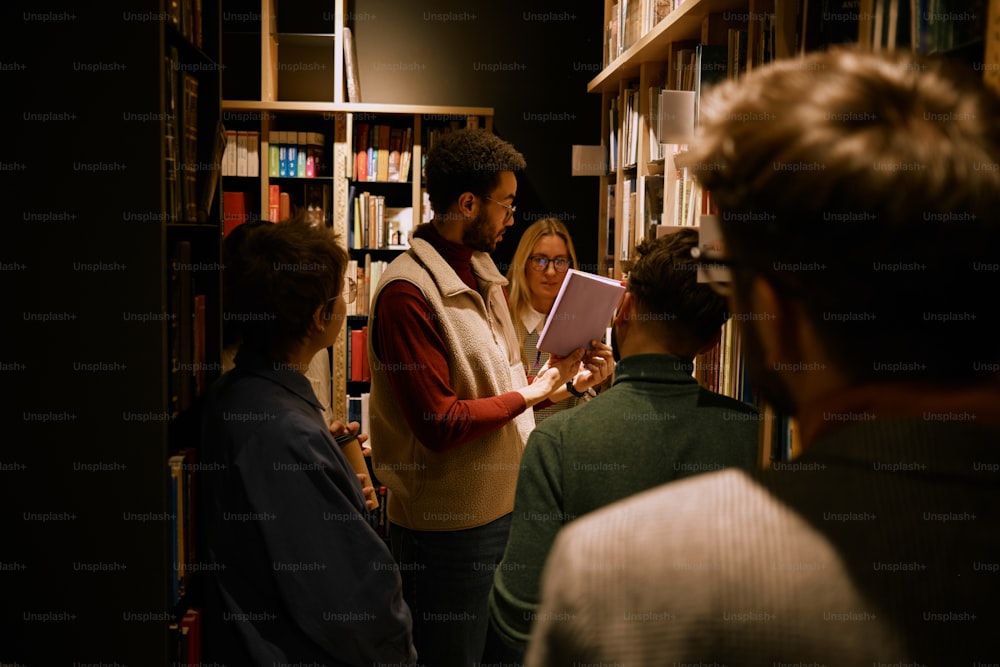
pixel 357 360
pixel 234 211
pixel 284 207
pixel 192 621
pixel 273 203
pixel 361 153
pixel 366 371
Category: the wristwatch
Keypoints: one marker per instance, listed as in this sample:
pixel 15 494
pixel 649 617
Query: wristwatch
pixel 572 390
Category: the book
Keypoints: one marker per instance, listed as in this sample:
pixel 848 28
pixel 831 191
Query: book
pixel 356 357
pixel 272 154
pixel 273 203
pixel 253 154
pixel 351 67
pixel 191 623
pixel 229 158
pixel 582 311
pixel 284 206
pixel 302 148
pixel 366 371
pixel 172 158
pixel 361 152
pixel 189 164
pixel 395 148
pixel 292 137
pixel 405 155
pixel 242 145
pixel 384 150
pixel 174 465
pixel 234 211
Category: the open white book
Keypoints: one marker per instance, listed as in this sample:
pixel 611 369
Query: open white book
pixel 582 312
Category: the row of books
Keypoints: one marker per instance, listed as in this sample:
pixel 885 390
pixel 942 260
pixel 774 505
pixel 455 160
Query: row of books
pixel 372 224
pixel 367 273
pixel 630 20
pixel 242 154
pixel 290 154
pixel 382 152
pixel 296 154
pixel 181 147
pixel 721 368
pixel 185 16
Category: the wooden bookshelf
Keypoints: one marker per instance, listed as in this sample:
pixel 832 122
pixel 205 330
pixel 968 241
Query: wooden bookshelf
pixel 774 29
pixel 102 251
pixel 335 118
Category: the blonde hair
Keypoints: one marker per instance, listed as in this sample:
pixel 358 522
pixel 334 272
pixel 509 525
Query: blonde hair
pixel 518 293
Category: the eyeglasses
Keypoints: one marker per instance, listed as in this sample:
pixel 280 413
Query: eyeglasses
pixel 510 209
pixel 716 270
pixel 541 263
pixel 350 292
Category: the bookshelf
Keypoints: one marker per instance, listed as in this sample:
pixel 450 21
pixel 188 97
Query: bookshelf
pixel 116 229
pixel 682 45
pixel 298 84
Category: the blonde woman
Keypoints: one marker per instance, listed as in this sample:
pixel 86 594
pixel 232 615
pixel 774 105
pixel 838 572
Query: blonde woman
pixel 543 256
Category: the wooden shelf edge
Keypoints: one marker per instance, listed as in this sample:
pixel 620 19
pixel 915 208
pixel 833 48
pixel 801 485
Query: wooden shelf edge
pixel 346 107
pixel 682 23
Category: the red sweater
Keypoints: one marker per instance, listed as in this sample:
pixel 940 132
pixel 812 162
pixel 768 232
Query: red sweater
pixel 413 340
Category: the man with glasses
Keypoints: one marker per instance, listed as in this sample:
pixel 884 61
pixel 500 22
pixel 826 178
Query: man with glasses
pixel 450 399
pixel 858 196
pixel 655 424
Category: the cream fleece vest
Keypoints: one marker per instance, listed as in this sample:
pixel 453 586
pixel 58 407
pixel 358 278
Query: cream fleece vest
pixel 473 484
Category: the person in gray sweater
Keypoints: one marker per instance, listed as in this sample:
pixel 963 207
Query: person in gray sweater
pixel 655 424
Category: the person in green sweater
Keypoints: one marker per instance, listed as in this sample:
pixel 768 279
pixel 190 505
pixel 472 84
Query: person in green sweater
pixel 656 424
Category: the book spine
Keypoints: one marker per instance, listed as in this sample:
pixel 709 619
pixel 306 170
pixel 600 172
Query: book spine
pixel 273 169
pixel 273 203
pixel 253 154
pixel 282 154
pixel 300 163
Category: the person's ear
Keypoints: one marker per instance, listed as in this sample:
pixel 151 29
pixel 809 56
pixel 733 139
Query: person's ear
pixel 321 318
pixel 468 204
pixel 625 308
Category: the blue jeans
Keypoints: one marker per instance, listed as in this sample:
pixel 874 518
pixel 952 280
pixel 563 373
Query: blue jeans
pixel 447 576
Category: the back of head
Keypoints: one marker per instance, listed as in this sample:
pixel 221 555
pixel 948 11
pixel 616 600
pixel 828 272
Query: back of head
pixel 865 187
pixel 468 160
pixel 276 276
pixel 664 282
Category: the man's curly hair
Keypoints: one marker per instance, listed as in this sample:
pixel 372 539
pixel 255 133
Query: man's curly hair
pixel 468 160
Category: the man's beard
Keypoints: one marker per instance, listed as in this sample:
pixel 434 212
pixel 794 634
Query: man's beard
pixel 477 236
